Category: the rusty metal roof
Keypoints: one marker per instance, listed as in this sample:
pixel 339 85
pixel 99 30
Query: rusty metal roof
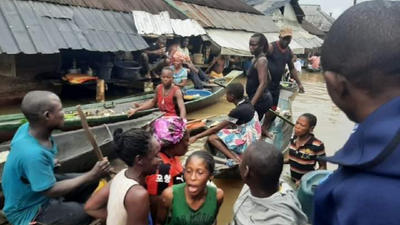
pixel 151 6
pixel 33 27
pixel 227 20
pixel 228 5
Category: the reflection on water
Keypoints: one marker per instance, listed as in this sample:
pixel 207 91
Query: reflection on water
pixel 333 128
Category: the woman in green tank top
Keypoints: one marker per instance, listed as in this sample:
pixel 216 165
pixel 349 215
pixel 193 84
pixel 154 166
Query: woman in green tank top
pixel 193 202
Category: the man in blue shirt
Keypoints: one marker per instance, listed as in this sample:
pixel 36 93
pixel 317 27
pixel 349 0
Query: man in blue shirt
pixel 32 190
pixel 362 74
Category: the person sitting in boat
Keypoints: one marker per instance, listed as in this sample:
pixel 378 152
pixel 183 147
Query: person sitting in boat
pixel 155 57
pixel 193 202
pixel 168 97
pixel 265 199
pixel 124 200
pixel 33 193
pixel 314 63
pixel 195 74
pixel 173 137
pixel 305 148
pixel 180 73
pixel 242 127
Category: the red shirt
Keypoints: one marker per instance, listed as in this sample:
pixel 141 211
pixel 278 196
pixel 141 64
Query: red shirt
pixel 166 103
pixel 169 172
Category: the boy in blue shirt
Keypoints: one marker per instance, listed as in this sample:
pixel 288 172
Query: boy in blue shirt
pixel 362 74
pixel 32 191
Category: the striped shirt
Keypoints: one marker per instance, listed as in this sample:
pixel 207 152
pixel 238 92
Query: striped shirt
pixel 304 159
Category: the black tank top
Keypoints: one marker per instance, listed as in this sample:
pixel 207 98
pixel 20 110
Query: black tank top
pixel 276 64
pixel 252 80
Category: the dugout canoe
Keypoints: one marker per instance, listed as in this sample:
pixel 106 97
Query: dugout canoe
pixel 74 149
pixel 114 111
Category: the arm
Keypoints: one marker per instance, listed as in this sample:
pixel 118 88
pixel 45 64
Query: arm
pixel 262 69
pixel 286 161
pixel 137 206
pixel 208 132
pixel 270 49
pixel 181 84
pixel 64 187
pixel 220 198
pixel 96 206
pixel 295 76
pixel 322 165
pixel 164 205
pixel 181 104
pixel 147 105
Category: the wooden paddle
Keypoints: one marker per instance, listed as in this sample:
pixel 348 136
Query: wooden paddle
pixel 92 141
pixel 283 118
pixel 89 134
pixel 198 120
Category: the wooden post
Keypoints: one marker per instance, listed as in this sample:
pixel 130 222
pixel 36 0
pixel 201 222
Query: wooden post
pixel 100 91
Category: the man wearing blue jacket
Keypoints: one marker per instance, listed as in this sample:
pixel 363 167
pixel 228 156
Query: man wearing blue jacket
pixel 362 73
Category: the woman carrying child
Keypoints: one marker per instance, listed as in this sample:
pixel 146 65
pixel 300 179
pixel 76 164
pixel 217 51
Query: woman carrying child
pixel 168 97
pixel 125 200
pixel 173 137
pixel 193 202
pixel 242 128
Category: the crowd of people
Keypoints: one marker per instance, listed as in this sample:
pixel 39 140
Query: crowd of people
pixel 157 188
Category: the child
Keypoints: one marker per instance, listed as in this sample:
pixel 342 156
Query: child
pixel 305 148
pixel 125 200
pixel 247 129
pixel 173 137
pixel 166 95
pixel 193 202
pixel 264 199
pixel 180 73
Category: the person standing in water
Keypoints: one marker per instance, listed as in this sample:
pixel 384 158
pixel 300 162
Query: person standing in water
pixel 279 55
pixel 167 96
pixel 125 200
pixel 258 77
pixel 193 202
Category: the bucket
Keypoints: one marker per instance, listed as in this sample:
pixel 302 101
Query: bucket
pixel 104 70
pixel 127 70
pixel 198 58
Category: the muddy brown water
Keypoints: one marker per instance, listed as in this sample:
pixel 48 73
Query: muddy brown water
pixel 333 127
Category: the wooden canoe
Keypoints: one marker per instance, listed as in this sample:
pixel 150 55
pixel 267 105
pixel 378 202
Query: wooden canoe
pixel 74 149
pixel 113 111
pixel 281 131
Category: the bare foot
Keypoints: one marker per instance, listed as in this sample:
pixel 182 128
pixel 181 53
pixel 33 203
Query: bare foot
pixel 265 133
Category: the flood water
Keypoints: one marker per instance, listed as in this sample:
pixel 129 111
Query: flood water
pixel 333 128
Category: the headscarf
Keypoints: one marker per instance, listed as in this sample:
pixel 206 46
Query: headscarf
pixel 169 130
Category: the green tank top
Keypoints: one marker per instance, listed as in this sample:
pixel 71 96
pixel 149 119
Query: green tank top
pixel 182 214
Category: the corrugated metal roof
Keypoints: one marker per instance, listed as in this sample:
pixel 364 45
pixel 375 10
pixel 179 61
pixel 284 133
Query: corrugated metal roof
pixel 317 17
pixel 311 28
pixel 222 19
pixel 149 24
pixel 268 7
pixel 151 6
pixel 237 42
pixel 36 27
pixel 228 5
